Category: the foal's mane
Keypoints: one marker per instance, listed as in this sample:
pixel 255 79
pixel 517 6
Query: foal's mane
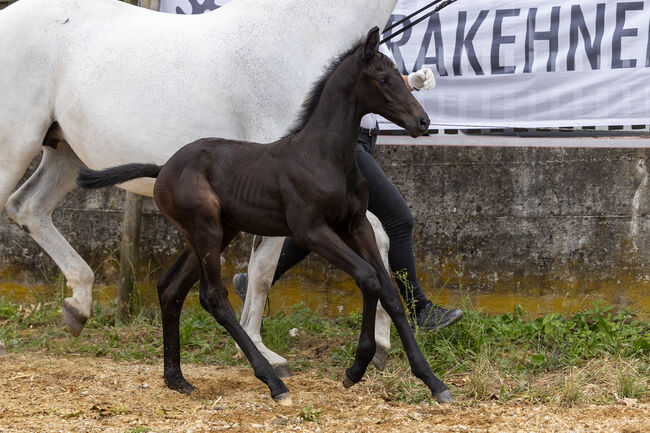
pixel 313 97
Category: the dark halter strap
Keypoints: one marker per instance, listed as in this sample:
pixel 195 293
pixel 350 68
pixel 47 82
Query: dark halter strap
pixel 440 5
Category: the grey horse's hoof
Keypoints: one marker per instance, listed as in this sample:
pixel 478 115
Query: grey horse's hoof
pixel 380 359
pixel 283 371
pixel 444 397
pixel 72 318
pixel 347 382
pixel 283 399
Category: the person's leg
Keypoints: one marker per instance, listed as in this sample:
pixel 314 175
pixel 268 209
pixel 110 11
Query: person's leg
pixel 291 255
pixel 391 209
pixel 393 212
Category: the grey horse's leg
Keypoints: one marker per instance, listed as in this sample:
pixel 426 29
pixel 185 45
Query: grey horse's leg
pixel 31 207
pixel 15 155
pixel 382 320
pixel 263 261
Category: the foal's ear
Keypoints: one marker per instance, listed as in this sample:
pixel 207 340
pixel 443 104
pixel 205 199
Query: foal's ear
pixel 372 43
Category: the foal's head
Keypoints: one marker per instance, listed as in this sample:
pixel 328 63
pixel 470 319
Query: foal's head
pixel 382 89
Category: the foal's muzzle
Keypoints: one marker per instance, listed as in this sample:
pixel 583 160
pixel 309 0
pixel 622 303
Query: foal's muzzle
pixel 420 126
pixel 424 123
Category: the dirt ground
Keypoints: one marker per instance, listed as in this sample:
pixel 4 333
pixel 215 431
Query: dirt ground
pixel 40 393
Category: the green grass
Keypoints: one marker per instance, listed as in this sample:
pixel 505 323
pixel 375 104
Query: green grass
pixel 139 429
pixel 549 342
pixel 311 414
pixel 595 356
pixel 501 356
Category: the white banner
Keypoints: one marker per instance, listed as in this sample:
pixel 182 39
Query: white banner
pixel 505 63
pixel 543 63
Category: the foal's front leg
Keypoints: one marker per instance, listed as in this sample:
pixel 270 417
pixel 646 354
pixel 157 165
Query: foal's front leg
pixel 363 242
pixel 325 242
pixel 374 281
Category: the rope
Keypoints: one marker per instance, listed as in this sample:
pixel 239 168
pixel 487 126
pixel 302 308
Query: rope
pixel 419 20
pixel 391 27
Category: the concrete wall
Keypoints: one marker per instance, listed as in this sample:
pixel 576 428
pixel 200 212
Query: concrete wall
pixel 487 217
pixel 533 217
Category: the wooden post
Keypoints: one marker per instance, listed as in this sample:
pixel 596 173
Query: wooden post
pixel 130 246
pixel 128 254
pixel 151 4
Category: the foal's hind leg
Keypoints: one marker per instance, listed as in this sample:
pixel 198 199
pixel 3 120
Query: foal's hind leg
pixel 31 207
pixel 172 291
pixel 197 213
pixel 205 235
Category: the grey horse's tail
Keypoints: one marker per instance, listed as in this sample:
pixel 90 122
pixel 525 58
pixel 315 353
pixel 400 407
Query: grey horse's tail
pixel 91 179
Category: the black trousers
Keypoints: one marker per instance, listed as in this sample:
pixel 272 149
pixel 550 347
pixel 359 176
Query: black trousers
pixel 390 207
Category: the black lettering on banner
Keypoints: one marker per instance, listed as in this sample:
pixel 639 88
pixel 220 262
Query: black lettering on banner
pixel 466 41
pixel 433 29
pixel 621 32
pixel 532 35
pixel 592 49
pixel 498 39
pixel 394 45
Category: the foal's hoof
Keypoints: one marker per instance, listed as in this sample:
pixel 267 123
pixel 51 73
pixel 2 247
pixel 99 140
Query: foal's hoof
pixel 283 399
pixel 72 318
pixel 444 397
pixel 347 382
pixel 283 370
pixel 380 359
pixel 181 385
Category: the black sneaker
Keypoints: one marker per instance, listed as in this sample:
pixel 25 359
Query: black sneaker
pixel 432 317
pixel 240 281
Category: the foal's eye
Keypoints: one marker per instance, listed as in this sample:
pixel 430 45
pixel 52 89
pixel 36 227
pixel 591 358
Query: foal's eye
pixel 382 81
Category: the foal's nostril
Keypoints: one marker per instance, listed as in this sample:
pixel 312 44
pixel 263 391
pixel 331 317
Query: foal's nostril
pixel 424 122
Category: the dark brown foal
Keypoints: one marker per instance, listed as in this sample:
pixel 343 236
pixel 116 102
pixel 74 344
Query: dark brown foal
pixel 306 185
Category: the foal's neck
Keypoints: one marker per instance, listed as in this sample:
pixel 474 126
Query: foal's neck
pixel 334 126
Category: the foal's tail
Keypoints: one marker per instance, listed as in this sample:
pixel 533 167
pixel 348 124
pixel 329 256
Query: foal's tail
pixel 91 179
